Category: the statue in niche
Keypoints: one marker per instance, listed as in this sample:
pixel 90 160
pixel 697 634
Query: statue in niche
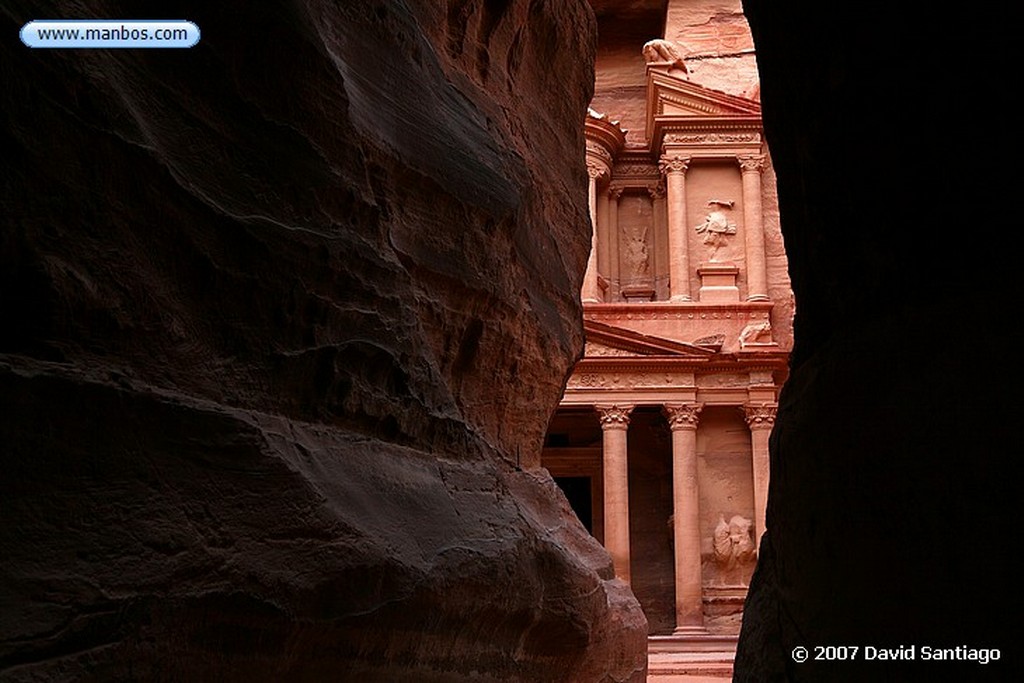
pixel 716 227
pixel 756 333
pixel 733 541
pixel 637 254
pixel 659 51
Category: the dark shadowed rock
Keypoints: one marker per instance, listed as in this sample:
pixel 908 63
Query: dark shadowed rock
pixel 895 456
pixel 281 314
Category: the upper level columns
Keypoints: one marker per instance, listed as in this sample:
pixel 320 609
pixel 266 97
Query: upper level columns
pixel 682 419
pixel 674 166
pixel 591 288
pixel 753 229
pixel 614 425
pixel 760 419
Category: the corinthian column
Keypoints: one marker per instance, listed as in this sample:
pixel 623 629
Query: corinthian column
pixel 674 167
pixel 682 418
pixel 615 426
pixel 591 290
pixel 760 419
pixel 753 229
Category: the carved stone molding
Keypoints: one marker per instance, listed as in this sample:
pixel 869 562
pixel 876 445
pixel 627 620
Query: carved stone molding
pixel 636 171
pixel 674 164
pixel 761 416
pixel 614 416
pixel 711 138
pixel 682 415
pixel 752 163
pixel 599 151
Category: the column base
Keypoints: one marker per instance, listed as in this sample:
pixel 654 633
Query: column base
pixel 680 298
pixel 758 297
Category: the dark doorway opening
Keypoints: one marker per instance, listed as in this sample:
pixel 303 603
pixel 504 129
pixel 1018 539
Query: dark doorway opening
pixel 577 491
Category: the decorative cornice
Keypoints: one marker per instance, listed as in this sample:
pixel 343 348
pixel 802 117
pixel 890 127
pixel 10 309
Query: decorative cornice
pixel 761 416
pixel 673 164
pixel 682 415
pixel 614 416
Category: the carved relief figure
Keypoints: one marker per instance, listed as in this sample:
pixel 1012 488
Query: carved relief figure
pixel 637 254
pixel 756 333
pixel 733 542
pixel 660 51
pixel 716 227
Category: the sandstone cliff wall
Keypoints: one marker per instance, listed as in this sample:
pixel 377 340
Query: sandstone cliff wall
pixel 281 314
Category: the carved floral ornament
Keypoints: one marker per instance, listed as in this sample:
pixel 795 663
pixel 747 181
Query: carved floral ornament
pixel 628 380
pixel 636 171
pixel 761 416
pixel 614 416
pixel 753 163
pixel 599 151
pixel 711 138
pixel 674 164
pixel 683 415
pixel 596 170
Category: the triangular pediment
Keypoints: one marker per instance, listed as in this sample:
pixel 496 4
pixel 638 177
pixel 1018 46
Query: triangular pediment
pixel 670 95
pixel 603 340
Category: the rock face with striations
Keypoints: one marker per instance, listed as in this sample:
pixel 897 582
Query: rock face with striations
pixel 284 317
pixel 895 458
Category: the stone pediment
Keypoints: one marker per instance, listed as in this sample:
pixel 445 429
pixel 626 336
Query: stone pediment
pixel 670 95
pixel 605 340
pixel 677 104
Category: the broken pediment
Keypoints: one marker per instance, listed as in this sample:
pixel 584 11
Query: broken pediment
pixel 608 340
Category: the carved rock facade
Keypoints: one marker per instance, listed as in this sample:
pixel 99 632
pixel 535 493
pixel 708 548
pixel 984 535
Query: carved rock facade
pixel 688 320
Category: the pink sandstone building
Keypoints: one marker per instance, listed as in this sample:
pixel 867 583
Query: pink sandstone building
pixel 661 439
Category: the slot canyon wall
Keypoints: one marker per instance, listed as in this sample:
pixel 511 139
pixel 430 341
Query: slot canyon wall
pixel 282 320
pixel 893 515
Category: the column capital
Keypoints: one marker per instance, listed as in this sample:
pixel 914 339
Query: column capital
pixel 682 415
pixel 673 163
pixel 760 416
pixel 656 190
pixel 615 416
pixel 615 192
pixel 753 163
pixel 596 170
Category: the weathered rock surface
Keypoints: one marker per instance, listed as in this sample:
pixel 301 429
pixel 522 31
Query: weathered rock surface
pixel 281 313
pixel 895 455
